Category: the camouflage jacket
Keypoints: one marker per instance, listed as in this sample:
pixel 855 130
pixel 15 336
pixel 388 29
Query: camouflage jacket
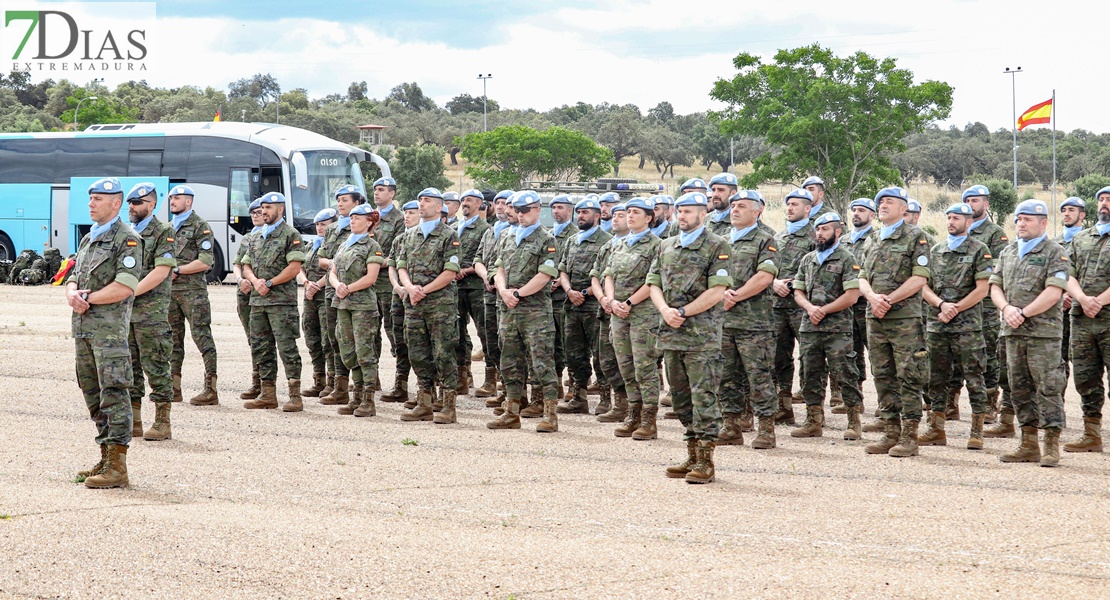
pixel 629 267
pixel 857 249
pixel 765 227
pixel 954 274
pixel 825 208
pixel 390 226
pixel 244 245
pixel 601 262
pixel 887 264
pixel 268 256
pixel 824 283
pixel 791 248
pixel 334 238
pixel 722 228
pixel 578 263
pixel 194 242
pixel 426 258
pixel 751 254
pixel 569 233
pixel 1023 279
pixel 535 254
pixel 684 274
pixel 470 243
pixel 1089 258
pixel 995 238
pixel 159 250
pixel 487 252
pixel 115 257
pixel 351 265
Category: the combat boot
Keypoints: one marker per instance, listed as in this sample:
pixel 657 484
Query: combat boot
pixel 680 470
pixel 992 406
pixel 766 438
pixel 1050 456
pixel 136 420
pixel 1092 437
pixel 854 431
pixel 319 382
pixel 329 385
pixel 594 388
pixel 731 432
pixel 366 406
pixel 1028 451
pixel 462 388
pixel 437 399
pixel 814 425
pixel 619 410
pixel 534 409
pixel 578 403
pixel 891 433
pixel 423 410
pixel 550 422
pixel 647 429
pixel 340 394
pixel 952 405
pixel 83 475
pixel 495 401
pixel 975 439
pixel 489 386
pixel 114 472
pixel 207 396
pixel 703 471
pixel 356 391
pixel 446 415
pixel 1005 426
pixel 160 430
pixel 874 426
pixel 176 377
pixel 935 435
pixel 254 390
pixel 605 400
pixel 836 399
pixel 907 442
pixel 785 413
pixel 295 403
pixel 477 356
pixel 631 421
pixel 267 399
pixel 509 419
pixel 669 413
pixel 747 419
pixel 797 398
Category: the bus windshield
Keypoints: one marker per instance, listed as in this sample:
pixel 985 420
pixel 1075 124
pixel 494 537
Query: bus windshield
pixel 327 172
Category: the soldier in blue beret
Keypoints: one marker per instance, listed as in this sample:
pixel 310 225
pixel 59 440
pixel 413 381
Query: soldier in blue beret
pixel 793 242
pixel 389 227
pixel 721 188
pixel 347 198
pixel 314 313
pixel 470 228
pixel 607 201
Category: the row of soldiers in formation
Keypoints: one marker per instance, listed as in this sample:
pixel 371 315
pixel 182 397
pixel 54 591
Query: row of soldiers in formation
pixel 718 281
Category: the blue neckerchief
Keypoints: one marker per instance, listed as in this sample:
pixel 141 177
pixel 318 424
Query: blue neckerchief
pixel 385 211
pixel 268 229
pixel 823 255
pixel 98 230
pixel 685 239
pixel 618 239
pixel 523 232
pixel 1024 247
pixel 888 230
pixel 975 224
pixel 857 234
pixel 559 229
pixel 1103 228
pixel 343 223
pixel 724 215
pixel 583 235
pixel 499 227
pixel 660 228
pixel 954 241
pixel 257 228
pixel 467 223
pixel 793 226
pixel 631 238
pixel 354 238
pixel 607 226
pixel 739 233
pixel 426 227
pixel 141 225
pixel 179 219
pixel 513 229
pixel 1070 232
pixel 813 213
pixel 317 242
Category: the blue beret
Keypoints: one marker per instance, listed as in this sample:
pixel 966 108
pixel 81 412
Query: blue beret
pixel 693 184
pixel 430 192
pixel 347 189
pixel 561 199
pixel 913 206
pixel 815 180
pixel 610 197
pixel 800 193
pixel 867 203
pixel 257 204
pixel 272 198
pixel 1032 207
pixel 959 208
pixel 664 199
pixel 641 203
pixel 1105 190
pixel 411 205
pixel 506 194
pixel 108 185
pixel 525 198
pixel 139 190
pixel 443 209
pixel 619 208
pixel 181 190
pixel 692 199
pixel 976 190
pixel 473 193
pixel 386 181
pixel 748 195
pixel 829 217
pixel 1074 201
pixel 327 214
pixel 893 192
pixel 362 209
pixel 587 203
pixel 451 197
pixel 723 179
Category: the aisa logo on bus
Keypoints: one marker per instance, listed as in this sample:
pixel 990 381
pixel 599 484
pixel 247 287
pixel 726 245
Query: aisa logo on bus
pixel 95 37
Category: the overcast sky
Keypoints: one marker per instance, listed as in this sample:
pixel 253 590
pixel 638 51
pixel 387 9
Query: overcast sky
pixel 545 54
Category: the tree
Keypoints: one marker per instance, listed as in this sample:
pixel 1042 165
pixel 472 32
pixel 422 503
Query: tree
pixel 416 168
pixel 839 118
pixel 261 88
pixel 411 97
pixel 621 132
pixel 666 148
pixel 508 156
pixel 357 91
pixel 465 103
pixel 104 109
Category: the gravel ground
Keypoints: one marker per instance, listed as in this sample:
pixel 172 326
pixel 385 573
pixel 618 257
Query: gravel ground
pixel 248 504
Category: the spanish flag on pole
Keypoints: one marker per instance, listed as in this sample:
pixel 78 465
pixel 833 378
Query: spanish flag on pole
pixel 1036 115
pixel 218 110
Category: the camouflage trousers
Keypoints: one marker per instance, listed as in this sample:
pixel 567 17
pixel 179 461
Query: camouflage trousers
pixel 1090 352
pixel 356 332
pixel 385 321
pixel 747 357
pixel 316 334
pixel 634 346
pixel 899 365
pixel 472 306
pixel 527 350
pixel 332 323
pixel 1036 376
pixel 192 307
pixel 1065 347
pixel 149 345
pixel 694 376
pixel 580 340
pixel 431 333
pixel 606 356
pixel 788 323
pixel 275 327
pixel 557 300
pixel 243 309
pixel 829 354
pixel 493 341
pixel 994 375
pixel 859 337
pixel 946 351
pixel 397 321
pixel 104 376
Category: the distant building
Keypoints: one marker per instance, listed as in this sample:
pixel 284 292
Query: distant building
pixel 374 135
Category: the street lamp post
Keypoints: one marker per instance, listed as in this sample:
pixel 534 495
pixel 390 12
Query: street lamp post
pixel 1013 83
pixel 484 78
pixel 79 108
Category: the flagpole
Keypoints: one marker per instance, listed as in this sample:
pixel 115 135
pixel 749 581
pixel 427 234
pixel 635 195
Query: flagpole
pixel 1054 211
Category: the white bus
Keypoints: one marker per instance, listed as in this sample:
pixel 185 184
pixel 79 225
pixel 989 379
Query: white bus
pixel 44 177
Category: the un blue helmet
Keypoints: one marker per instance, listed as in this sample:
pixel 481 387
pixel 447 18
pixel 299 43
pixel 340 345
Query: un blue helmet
pixel 619 207
pixel 610 197
pixel 411 205
pixel 1074 201
pixel 473 193
pixel 893 192
pixel 692 184
pixel 976 190
pixel 747 195
pixel 867 203
pixel 815 180
pixel 913 206
pixel 326 215
pixel 692 199
pixel 641 203
pixel 180 190
pixel 830 217
pixel 108 185
pixel 347 189
pixel 801 193
pixel 724 179
pixel 139 190
pixel 587 203
pixel 272 198
pixel 526 198
pixel 561 199
pixel 1032 207
pixel 959 208
pixel 386 181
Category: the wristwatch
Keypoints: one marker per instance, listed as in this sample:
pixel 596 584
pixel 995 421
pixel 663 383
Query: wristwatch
pixel 516 294
pixel 177 270
pixel 269 283
pixel 628 301
pixel 682 312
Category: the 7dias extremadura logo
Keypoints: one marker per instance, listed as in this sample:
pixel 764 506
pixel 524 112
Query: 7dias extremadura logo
pixel 70 36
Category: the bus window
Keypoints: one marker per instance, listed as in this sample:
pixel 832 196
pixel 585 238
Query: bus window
pixel 91 157
pixel 27 161
pixel 241 192
pixel 210 157
pixel 327 172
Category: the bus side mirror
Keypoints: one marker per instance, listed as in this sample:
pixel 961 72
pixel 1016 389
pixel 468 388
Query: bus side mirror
pixel 300 170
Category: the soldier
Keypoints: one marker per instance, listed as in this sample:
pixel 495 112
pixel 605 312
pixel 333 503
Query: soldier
pixel 389 226
pixel 816 188
pixel 564 230
pixel 271 265
pixel 149 338
pixel 661 226
pixel 99 289
pixel 746 346
pixel 826 287
pixel 793 242
pixel 346 198
pixel 525 267
pixel 894 270
pixel 1089 286
pixel 426 268
pixel 961 268
pixel 400 392
pixel 607 201
pixel 687 282
pixel 913 215
pixel 636 326
pixel 863 212
pixel 610 381
pixel 1073 213
pixel 189 302
pixel 580 320
pixel 1026 288
pixel 470 230
pixel 721 188
pixel 484 259
pixel 451 204
pixel 314 315
pixel 353 273
pixel 243 294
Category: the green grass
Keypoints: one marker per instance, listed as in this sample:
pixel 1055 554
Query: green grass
pixel 410 442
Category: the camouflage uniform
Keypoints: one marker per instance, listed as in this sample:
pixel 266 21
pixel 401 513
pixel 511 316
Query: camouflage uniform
pixel 431 330
pixel 1089 258
pixel 359 319
pixel 765 227
pixel 830 341
pixel 692 352
pixel 100 335
pixel 471 293
pixel 274 319
pixel 150 335
pixel 334 238
pixel 528 331
pixel 788 315
pixel 487 256
pixel 397 314
pixel 580 322
pixel 558 297
pixel 1035 370
pixel 994 376
pixel 720 228
pixel 859 309
pixel 634 337
pixel 190 295
pixel 746 345
pixel 1065 344
pixel 314 317
pixel 391 224
pixel 606 356
pixel 243 300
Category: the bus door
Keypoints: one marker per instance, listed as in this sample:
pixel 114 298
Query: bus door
pixel 59 218
pixel 243 187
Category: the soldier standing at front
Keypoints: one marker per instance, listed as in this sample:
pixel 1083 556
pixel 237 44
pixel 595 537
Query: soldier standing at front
pixel 1026 288
pixel 687 281
pixel 471 228
pixel 99 289
pixel 271 265
pixel 243 295
pixel 189 299
pixel 346 198
pixel 988 232
pixel 314 316
pixel 150 326
pixel 793 242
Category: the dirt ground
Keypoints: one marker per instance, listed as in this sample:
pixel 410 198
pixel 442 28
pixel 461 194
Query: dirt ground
pixel 250 504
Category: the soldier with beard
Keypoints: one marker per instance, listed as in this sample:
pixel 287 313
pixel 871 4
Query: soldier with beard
pixel 722 187
pixel 1073 214
pixel 863 212
pixel 484 259
pixel 793 242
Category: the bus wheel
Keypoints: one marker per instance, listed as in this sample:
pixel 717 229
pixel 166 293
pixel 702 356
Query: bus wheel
pixel 217 273
pixel 7 249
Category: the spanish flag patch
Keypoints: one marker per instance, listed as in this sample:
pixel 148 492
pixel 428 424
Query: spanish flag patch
pixel 207 231
pixel 722 257
pixel 1005 239
pixel 296 242
pixel 923 242
pixel 986 256
pixel 169 239
pixel 132 243
pixel 455 243
pixel 772 248
pixel 855 267
pixel 551 248
pixel 377 254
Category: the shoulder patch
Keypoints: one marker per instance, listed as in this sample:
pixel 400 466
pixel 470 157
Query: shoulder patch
pixel 923 241
pixel 855 267
pixel 129 262
pixel 455 243
pixel 377 254
pixel 132 243
pixel 1063 258
pixel 169 239
pixel 551 248
pixel 1004 239
pixel 206 245
pixel 722 257
pixel 772 248
pixel 987 255
pixel 207 231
